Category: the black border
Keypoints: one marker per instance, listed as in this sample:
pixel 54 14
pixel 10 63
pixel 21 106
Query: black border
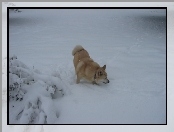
pixel 7 66
pixel 8 8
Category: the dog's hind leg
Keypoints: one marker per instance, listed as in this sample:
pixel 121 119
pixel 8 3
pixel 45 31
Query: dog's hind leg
pixel 78 78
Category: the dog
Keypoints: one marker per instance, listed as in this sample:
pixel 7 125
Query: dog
pixel 86 68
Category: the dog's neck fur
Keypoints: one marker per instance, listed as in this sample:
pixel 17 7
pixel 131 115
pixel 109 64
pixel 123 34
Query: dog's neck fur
pixel 95 76
pixel 94 82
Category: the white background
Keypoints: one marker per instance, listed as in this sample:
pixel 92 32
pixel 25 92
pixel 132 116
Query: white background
pixel 170 66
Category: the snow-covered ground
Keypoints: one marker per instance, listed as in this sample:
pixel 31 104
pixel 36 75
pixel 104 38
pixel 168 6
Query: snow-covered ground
pixel 132 44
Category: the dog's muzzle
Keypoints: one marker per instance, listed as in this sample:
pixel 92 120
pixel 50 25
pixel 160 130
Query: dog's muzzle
pixel 106 81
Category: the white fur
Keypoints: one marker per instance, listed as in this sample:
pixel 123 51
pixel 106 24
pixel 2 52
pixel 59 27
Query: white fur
pixel 76 49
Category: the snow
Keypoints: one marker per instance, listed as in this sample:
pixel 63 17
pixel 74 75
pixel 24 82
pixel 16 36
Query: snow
pixel 131 43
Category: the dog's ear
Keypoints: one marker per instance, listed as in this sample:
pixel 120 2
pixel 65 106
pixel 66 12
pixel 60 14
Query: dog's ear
pixel 104 67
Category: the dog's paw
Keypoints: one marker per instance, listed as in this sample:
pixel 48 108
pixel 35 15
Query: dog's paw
pixel 77 82
pixel 95 83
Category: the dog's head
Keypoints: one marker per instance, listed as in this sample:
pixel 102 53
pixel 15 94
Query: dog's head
pixel 101 75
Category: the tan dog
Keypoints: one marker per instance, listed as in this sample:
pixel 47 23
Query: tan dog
pixel 86 68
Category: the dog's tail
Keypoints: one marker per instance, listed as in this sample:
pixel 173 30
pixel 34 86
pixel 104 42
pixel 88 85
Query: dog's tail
pixel 76 49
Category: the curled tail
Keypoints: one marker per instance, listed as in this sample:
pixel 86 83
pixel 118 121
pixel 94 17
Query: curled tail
pixel 76 49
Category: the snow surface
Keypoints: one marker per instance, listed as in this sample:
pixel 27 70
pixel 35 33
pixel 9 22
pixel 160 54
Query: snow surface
pixel 131 43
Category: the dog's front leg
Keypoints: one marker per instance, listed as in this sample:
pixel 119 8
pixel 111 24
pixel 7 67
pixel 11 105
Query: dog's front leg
pixel 93 82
